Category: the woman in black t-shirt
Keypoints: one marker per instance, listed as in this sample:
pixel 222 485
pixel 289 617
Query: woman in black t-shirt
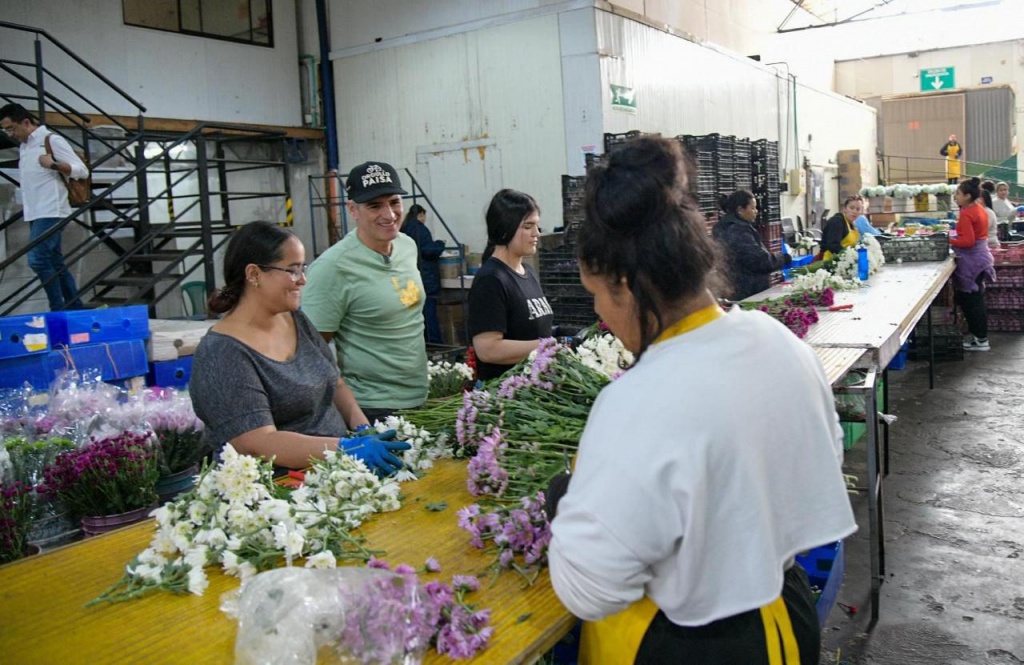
pixel 508 313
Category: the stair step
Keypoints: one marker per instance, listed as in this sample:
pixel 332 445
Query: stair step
pixel 105 301
pixel 193 231
pixel 164 254
pixel 135 280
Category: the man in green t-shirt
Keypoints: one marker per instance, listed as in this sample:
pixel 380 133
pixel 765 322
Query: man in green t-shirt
pixel 365 294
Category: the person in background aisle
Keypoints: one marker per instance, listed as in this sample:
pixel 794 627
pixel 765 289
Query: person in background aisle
pixel 508 313
pixel 840 230
pixel 1005 210
pixel 953 152
pixel 263 379
pixel 993 224
pixel 675 539
pixel 750 264
pixel 365 294
pixel 974 266
pixel 863 223
pixel 45 199
pixel 430 250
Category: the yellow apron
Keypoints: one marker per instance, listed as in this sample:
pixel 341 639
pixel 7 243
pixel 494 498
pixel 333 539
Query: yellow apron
pixel 952 162
pixel 851 238
pixel 616 639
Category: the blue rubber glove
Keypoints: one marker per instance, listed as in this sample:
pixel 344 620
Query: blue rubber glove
pixel 376 451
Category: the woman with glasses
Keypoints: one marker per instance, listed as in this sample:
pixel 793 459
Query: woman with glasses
pixel 263 379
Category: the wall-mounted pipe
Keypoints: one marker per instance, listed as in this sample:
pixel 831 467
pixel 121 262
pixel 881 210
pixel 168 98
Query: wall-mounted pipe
pixel 327 82
pixel 312 89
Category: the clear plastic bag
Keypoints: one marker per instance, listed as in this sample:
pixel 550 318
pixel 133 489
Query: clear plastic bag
pixel 293 616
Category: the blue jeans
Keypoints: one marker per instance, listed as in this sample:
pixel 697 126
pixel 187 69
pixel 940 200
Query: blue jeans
pixel 46 260
pixel 432 326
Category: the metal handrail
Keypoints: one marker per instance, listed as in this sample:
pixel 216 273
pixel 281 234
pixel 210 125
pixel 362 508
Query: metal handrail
pixel 92 70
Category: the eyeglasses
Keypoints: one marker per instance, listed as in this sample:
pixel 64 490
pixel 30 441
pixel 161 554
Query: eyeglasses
pixel 295 273
pixel 9 130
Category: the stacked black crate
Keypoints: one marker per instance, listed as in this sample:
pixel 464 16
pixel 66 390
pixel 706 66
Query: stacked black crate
pixel 571 304
pixel 743 165
pixel 572 207
pixel 705 186
pixel 764 170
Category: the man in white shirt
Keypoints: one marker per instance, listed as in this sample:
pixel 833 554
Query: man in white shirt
pixel 45 199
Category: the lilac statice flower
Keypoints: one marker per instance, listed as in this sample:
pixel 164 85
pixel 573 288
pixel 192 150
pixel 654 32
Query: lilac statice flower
pixel 466 633
pixel 485 474
pixel 432 565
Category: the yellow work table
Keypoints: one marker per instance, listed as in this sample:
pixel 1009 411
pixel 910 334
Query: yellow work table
pixel 43 618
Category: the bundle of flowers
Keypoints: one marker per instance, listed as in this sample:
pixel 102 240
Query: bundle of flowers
pixel 821 279
pixel 848 261
pixel 425 446
pixel 169 414
pixel 602 351
pixel 106 477
pixel 26 461
pixel 523 435
pixel 355 615
pixel 16 510
pixel 447 378
pixel 238 519
pixel 798 311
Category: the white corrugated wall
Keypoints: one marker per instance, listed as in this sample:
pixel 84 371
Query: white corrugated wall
pixel 684 88
pixel 469 114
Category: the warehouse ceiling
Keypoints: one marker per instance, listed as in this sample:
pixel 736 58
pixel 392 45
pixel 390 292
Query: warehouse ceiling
pixel 807 14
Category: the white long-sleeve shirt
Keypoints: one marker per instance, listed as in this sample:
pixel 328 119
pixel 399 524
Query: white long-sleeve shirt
pixel 701 472
pixel 43 192
pixel 1004 209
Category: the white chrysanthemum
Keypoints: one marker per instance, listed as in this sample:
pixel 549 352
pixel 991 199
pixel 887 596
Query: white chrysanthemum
pixel 324 559
pixel 197 581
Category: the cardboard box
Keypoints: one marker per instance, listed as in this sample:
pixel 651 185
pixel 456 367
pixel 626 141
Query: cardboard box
pixel 882 220
pixel 450 318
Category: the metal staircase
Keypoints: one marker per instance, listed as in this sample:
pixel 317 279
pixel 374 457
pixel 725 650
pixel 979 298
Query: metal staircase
pixel 163 201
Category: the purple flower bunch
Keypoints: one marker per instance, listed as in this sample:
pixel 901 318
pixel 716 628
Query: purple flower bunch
pixel 486 475
pixel 178 429
pixel 106 477
pixel 521 529
pixel 475 420
pixel 16 508
pixel 797 311
pixel 395 615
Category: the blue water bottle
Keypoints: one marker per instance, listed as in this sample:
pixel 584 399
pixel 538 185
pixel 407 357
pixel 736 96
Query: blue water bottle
pixel 862 263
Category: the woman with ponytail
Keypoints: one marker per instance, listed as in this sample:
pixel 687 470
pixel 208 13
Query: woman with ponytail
pixel 263 378
pixel 750 264
pixel 705 467
pixel 974 264
pixel 508 313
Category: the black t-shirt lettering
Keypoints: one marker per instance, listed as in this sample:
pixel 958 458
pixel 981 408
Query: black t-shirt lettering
pixel 504 301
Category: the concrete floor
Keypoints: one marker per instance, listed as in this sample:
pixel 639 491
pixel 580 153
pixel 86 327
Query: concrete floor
pixel 954 521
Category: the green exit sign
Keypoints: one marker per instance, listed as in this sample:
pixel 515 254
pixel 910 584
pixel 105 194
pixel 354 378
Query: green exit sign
pixel 938 78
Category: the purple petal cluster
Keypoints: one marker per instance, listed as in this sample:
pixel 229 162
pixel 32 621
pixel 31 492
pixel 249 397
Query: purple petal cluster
pixel 395 615
pixel 485 473
pixel 105 477
pixel 15 519
pixel 469 427
pixel 519 530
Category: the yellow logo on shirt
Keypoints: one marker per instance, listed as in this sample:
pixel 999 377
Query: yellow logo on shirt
pixel 408 296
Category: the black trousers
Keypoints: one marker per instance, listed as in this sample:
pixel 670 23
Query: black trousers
pixel 975 312
pixel 735 640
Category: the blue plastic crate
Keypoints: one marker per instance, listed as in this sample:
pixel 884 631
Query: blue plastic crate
pixel 113 360
pixel 825 568
pixel 798 261
pixel 33 370
pixel 899 361
pixel 23 335
pixel 91 326
pixel 170 373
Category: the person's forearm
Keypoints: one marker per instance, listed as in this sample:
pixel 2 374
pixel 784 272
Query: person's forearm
pixel 288 449
pixel 506 351
pixel 350 410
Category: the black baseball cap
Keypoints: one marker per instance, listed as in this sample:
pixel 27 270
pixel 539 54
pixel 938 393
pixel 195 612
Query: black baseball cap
pixel 372 179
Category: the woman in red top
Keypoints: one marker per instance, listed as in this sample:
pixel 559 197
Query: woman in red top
pixel 973 263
